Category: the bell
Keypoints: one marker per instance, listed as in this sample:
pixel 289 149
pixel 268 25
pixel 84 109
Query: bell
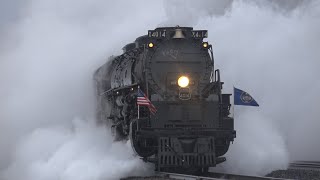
pixel 178 34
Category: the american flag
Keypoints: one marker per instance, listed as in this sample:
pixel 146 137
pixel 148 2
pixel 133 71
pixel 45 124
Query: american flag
pixel 143 100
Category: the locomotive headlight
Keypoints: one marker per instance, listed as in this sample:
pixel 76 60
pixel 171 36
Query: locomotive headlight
pixel 205 44
pixel 183 81
pixel 150 45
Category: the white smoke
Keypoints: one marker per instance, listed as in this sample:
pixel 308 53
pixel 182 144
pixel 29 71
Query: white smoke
pixel 81 152
pixel 50 49
pixel 48 57
pixel 269 49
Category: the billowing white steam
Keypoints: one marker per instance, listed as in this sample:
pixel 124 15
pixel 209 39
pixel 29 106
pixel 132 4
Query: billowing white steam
pixel 269 49
pixel 46 65
pixel 81 152
pixel 50 49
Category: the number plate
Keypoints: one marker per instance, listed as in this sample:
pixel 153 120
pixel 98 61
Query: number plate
pixel 199 34
pixel 156 34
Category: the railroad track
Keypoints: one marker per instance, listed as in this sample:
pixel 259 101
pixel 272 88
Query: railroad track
pixel 213 176
pixel 312 165
pixel 305 166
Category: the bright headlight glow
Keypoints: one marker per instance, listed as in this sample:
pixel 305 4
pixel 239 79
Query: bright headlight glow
pixel 183 81
pixel 150 45
pixel 205 44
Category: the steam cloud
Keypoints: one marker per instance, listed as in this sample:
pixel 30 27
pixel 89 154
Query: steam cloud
pixel 269 49
pixel 50 49
pixel 83 152
pixel 49 54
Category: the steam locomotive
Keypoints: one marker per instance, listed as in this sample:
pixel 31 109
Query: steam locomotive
pixel 174 70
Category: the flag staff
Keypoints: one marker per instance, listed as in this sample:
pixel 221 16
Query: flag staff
pixel 138 110
pixel 138 104
pixel 233 104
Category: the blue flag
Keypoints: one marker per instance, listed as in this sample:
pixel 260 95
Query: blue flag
pixel 243 98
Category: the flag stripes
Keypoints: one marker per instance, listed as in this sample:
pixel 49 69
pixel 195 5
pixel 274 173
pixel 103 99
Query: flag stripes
pixel 143 100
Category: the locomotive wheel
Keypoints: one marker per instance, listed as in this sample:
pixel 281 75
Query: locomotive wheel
pixel 140 145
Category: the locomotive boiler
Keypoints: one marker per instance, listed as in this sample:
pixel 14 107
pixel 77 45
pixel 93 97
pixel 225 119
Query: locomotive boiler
pixel 173 67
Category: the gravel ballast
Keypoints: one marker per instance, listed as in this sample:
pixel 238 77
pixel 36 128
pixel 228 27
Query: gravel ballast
pixel 301 174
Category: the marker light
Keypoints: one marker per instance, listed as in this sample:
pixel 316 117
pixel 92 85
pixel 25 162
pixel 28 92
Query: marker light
pixel 205 44
pixel 183 81
pixel 150 45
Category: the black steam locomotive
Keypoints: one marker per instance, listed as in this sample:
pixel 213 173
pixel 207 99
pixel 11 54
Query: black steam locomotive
pixel 174 68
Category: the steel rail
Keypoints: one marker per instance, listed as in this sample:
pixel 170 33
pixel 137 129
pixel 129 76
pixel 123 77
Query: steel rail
pixel 314 165
pixel 214 176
